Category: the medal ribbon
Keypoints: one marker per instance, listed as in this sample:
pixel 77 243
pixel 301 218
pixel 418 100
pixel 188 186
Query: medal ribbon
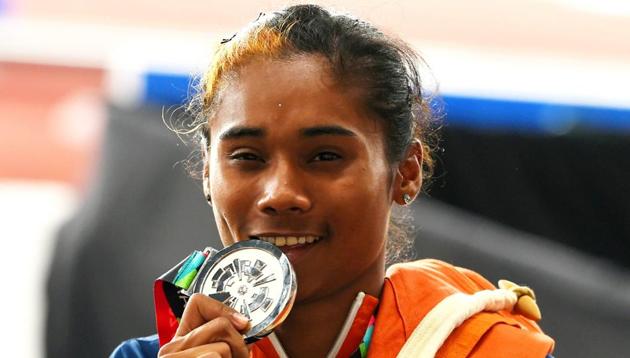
pixel 170 295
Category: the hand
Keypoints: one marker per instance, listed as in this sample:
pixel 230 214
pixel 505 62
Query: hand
pixel 208 328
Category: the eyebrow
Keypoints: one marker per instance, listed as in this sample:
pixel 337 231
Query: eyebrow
pixel 241 132
pixel 255 132
pixel 327 130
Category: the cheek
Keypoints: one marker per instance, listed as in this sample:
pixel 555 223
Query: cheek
pixel 369 185
pixel 230 201
pixel 225 184
pixel 361 202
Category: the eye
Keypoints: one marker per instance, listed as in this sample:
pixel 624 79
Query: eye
pixel 326 157
pixel 245 156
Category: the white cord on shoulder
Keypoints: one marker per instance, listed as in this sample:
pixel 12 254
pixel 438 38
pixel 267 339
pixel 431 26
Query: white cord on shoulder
pixel 447 315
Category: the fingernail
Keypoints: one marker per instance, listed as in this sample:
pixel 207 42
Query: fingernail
pixel 240 319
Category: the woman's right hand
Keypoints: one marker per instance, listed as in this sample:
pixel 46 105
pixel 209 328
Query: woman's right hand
pixel 208 328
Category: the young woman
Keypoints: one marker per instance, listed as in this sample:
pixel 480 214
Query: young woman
pixel 313 127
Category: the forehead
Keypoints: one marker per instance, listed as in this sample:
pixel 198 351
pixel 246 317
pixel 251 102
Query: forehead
pixel 283 95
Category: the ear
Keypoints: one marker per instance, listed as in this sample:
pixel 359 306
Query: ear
pixel 409 174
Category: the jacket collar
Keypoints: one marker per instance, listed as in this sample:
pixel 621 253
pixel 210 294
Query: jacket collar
pixel 349 337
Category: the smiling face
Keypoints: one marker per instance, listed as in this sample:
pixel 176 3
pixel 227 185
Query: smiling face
pixel 294 158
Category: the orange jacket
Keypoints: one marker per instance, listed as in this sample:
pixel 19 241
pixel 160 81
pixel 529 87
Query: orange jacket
pixel 410 291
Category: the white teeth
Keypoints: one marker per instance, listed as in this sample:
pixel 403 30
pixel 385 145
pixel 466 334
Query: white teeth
pixel 289 240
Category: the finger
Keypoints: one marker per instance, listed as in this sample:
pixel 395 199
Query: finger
pixel 210 355
pixel 213 350
pixel 218 330
pixel 201 309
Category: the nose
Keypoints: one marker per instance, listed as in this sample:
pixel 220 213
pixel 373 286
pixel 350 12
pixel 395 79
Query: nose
pixel 283 192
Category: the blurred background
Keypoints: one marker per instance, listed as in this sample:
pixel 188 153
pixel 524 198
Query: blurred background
pixel 533 183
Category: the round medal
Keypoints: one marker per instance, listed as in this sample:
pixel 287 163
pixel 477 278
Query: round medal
pixel 253 277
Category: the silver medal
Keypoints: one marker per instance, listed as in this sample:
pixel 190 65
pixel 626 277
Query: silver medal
pixel 253 277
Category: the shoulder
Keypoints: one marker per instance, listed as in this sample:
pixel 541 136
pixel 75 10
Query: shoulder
pixel 144 347
pixel 413 290
pixel 436 273
pixel 427 282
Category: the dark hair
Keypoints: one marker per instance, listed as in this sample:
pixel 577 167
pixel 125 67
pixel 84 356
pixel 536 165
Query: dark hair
pixel 360 56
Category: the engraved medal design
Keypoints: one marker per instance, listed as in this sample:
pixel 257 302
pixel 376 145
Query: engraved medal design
pixel 253 277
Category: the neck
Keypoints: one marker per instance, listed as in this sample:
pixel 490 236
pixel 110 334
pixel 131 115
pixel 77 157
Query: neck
pixel 312 327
